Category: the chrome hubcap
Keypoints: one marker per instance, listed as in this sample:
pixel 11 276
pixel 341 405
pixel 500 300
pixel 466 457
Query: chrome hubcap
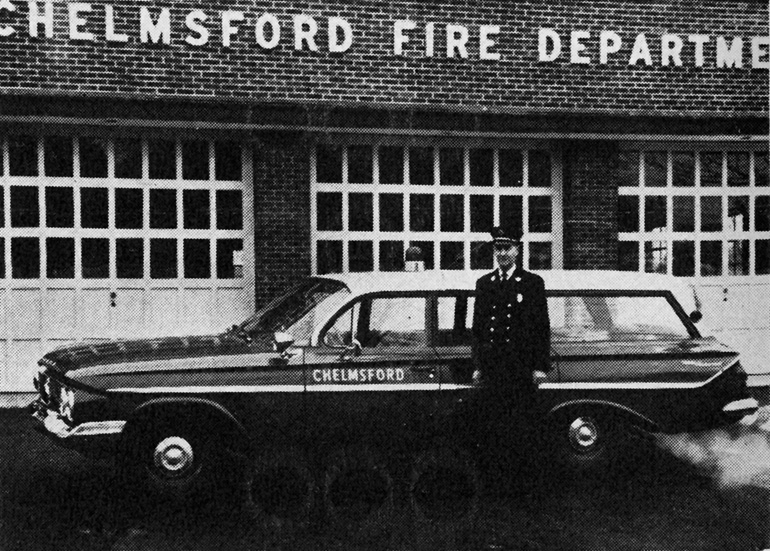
pixel 173 456
pixel 583 434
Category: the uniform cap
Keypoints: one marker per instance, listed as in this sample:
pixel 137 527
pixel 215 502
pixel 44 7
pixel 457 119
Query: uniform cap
pixel 502 234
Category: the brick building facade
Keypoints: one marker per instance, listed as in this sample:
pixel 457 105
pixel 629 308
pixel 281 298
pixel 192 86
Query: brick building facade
pixel 167 167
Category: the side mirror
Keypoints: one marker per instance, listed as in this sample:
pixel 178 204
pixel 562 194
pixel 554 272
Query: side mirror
pixel 281 342
pixel 696 316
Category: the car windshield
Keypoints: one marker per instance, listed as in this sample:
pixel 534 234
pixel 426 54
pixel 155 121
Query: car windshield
pixel 592 317
pixel 299 311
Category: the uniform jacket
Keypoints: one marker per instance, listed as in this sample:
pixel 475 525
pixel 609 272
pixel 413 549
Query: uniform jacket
pixel 511 319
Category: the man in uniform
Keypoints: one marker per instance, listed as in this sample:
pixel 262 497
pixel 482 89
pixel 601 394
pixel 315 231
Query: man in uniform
pixel 511 348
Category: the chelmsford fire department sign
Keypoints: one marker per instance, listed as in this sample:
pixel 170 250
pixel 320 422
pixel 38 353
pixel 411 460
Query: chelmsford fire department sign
pixel 266 31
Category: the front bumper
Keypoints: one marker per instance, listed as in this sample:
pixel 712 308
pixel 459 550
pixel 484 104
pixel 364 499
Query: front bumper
pixel 90 438
pixel 744 411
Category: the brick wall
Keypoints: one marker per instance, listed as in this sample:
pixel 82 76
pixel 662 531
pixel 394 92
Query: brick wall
pixel 590 206
pixel 369 73
pixel 281 213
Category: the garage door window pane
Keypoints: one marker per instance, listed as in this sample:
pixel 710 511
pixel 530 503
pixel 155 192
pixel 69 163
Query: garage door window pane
pixel 511 213
pixel 738 214
pixel 93 157
pixel 762 257
pixel 195 160
pixel 329 257
pixel 711 214
pixel 328 163
pixel 683 169
pixel 163 208
pixel 711 258
pixel 163 258
pixel 25 208
pixel 655 217
pixel 129 258
pixel 452 213
pixel 128 208
pixel 539 169
pixel 391 165
pixel 481 213
pixel 361 256
pixel 421 213
pixel 59 207
pixel 25 258
pixel 162 159
pixel 391 212
pixel 229 210
pixel 540 214
pixel 22 155
pixel 655 257
pixel 421 169
pixel 196 209
pixel 710 169
pixel 227 160
pixel 738 169
pixel 452 256
pixel 451 166
pixel 655 168
pixel 329 212
pixel 60 257
pixel 57 155
pixel 761 178
pixel 391 256
pixel 96 258
pixel 738 257
pixel 93 208
pixel 540 256
pixel 360 164
pixel 628 213
pixel 361 212
pixel 628 256
pixel 762 213
pixel 427 249
pixel 197 259
pixel 481 167
pixel 684 258
pixel 511 168
pixel 128 158
pixel 226 268
pixel 684 214
pixel 481 255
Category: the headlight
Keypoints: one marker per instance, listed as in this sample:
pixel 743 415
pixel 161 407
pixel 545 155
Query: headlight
pixel 66 402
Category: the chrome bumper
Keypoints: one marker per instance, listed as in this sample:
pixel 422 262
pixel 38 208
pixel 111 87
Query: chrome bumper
pixel 745 411
pixel 50 422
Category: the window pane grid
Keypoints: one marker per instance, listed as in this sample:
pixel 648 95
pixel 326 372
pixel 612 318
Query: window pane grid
pixel 125 217
pixel 709 216
pixel 446 197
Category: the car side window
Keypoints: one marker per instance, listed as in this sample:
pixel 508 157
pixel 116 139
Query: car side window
pixel 455 320
pixel 396 322
pixel 343 330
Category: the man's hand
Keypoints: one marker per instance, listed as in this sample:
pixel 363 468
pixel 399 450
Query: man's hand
pixel 539 377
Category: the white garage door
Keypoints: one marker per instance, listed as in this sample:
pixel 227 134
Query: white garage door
pixel 125 237
pixel 703 213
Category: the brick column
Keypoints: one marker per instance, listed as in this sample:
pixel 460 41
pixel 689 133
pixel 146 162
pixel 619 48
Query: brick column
pixel 590 206
pixel 281 213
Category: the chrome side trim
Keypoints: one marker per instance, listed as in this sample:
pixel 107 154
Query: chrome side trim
pixel 287 389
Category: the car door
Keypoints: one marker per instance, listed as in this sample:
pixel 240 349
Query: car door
pixel 373 378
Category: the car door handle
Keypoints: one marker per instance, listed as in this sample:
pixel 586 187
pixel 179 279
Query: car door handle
pixel 424 368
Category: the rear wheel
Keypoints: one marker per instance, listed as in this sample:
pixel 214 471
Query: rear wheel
pixel 587 443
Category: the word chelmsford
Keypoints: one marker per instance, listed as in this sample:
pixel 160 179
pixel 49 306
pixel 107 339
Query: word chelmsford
pixel 87 22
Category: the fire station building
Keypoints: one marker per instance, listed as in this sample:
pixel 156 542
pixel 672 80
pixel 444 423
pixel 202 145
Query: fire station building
pixel 165 168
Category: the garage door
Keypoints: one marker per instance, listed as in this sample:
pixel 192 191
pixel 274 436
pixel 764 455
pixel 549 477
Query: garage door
pixel 702 213
pixel 119 237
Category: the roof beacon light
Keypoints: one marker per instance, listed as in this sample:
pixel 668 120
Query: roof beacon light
pixel 413 260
